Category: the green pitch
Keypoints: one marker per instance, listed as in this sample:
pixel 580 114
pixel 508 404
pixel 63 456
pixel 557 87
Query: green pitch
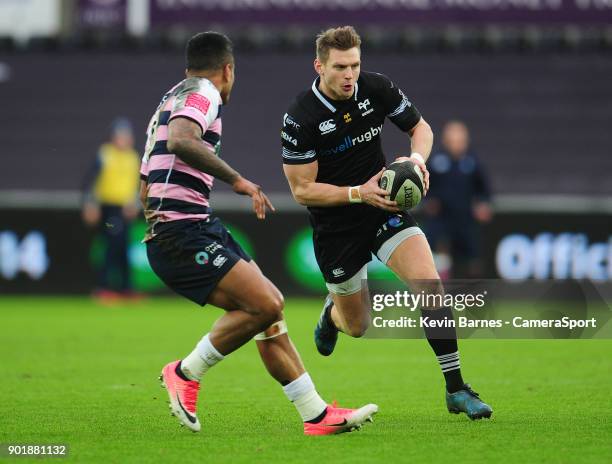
pixel 85 375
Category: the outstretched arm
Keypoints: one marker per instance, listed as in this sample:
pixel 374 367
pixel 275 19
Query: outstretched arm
pixel 184 140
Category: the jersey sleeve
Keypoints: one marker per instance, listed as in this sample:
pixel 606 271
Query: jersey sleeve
pixel 144 167
pixel 399 109
pixel 297 143
pixel 198 102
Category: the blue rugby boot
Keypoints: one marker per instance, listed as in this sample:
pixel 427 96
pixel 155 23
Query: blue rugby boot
pixel 325 333
pixel 467 400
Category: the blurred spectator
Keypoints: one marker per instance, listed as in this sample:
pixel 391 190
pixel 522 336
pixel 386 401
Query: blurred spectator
pixel 110 203
pixel 457 204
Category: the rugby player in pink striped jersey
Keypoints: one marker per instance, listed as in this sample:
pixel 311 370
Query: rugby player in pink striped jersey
pixel 195 255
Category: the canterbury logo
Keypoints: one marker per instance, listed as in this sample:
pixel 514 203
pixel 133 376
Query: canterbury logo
pixel 327 126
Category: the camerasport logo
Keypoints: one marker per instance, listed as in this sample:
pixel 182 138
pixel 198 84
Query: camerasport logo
pixel 199 102
pixel 327 126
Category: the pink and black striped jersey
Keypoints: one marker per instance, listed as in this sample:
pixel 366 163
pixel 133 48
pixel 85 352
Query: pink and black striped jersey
pixel 175 190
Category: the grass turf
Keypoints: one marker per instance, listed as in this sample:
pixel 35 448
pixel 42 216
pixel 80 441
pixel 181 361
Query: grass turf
pixel 82 374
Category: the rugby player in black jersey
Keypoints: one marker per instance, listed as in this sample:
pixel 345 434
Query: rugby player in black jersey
pixel 333 160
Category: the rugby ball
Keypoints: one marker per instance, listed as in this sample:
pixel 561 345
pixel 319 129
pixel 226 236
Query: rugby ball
pixel 403 180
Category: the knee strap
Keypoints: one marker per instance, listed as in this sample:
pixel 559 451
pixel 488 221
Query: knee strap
pixel 276 329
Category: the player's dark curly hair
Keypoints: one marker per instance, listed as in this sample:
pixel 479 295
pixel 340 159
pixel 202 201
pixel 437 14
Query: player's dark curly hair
pixel 339 38
pixel 209 51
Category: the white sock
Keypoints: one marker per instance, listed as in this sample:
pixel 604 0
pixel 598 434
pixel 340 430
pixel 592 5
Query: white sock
pixel 202 358
pixel 301 392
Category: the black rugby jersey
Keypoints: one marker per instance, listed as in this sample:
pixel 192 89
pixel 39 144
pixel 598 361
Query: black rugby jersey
pixel 344 137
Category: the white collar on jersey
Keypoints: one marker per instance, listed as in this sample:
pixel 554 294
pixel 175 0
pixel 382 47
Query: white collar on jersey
pixel 325 101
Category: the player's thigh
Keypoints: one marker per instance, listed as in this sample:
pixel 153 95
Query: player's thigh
pixel 412 261
pixel 273 288
pixel 245 288
pixel 401 245
pixel 260 279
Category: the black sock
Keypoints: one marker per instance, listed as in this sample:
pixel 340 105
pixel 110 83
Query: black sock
pixel 443 341
pixel 180 372
pixel 319 418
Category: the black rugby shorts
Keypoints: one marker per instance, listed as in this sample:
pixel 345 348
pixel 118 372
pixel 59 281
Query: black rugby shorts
pixel 191 257
pixel 341 255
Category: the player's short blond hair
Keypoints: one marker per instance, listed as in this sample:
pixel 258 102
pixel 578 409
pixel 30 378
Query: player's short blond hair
pixel 339 38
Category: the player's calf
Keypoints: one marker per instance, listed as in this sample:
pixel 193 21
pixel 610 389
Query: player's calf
pixel 357 327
